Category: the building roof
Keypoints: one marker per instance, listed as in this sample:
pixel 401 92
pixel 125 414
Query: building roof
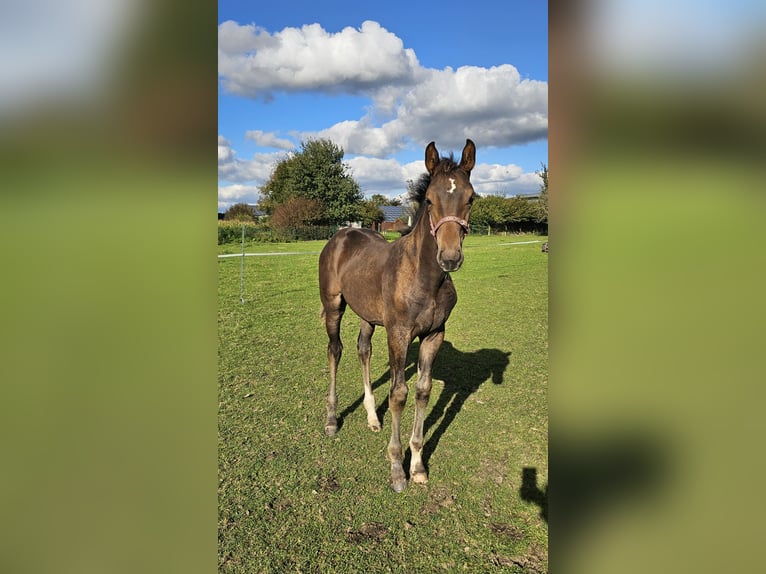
pixel 392 212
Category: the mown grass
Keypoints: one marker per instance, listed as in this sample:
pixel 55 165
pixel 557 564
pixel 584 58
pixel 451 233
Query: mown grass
pixel 293 500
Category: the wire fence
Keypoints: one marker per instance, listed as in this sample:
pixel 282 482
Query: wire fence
pixel 521 227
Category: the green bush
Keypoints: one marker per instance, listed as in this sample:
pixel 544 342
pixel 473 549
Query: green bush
pixel 231 232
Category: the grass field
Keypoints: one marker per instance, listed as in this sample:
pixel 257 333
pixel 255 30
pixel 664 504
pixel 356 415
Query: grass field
pixel 293 500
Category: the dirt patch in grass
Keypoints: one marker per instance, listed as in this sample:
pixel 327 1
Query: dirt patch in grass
pixel 508 530
pixel 327 483
pixel 438 498
pixel 535 561
pixel 368 532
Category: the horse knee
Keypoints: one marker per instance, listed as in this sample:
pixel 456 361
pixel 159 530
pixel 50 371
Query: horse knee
pixel 423 394
pixel 335 349
pixel 398 396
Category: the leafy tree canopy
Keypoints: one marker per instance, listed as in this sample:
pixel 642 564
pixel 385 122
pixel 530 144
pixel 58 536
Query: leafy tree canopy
pixel 490 210
pixel 378 199
pixel 543 204
pixel 240 212
pixel 501 211
pixel 316 172
pixel 296 212
pixel 369 212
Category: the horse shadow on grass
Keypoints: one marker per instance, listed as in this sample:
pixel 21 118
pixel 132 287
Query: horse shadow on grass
pixel 462 373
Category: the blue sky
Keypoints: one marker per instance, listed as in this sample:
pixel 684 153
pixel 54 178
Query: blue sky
pixel 382 80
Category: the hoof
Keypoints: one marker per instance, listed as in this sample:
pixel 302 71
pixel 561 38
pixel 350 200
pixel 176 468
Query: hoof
pixel 330 430
pixel 398 485
pixel 419 477
pixel 374 427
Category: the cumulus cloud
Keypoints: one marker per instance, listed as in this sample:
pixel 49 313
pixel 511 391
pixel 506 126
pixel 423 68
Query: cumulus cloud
pixel 254 63
pixel 237 193
pixel 361 137
pixel 388 177
pixel 409 105
pixel 384 176
pixel 510 179
pixel 269 139
pixel 232 169
pixel 494 106
pixel 225 152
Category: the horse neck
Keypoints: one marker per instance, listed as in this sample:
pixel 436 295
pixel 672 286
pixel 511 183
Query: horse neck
pixel 420 247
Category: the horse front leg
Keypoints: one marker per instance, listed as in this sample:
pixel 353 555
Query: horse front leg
pixel 429 346
pixel 397 398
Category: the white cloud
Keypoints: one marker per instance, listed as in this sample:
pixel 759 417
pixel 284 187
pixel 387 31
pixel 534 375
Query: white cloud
pixel 238 193
pixel 361 137
pixel 385 176
pixel 225 152
pixel 254 63
pixel 491 179
pixel 411 105
pixel 492 106
pixel 389 177
pixel 269 139
pixel 255 171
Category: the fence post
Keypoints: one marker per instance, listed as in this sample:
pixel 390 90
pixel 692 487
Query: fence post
pixel 242 272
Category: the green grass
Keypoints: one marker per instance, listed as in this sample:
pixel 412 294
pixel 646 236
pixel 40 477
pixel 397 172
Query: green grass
pixel 293 500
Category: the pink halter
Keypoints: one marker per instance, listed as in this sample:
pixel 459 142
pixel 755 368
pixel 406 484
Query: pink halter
pixel 462 222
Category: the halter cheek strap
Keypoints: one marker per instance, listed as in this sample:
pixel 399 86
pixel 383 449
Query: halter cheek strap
pixel 462 222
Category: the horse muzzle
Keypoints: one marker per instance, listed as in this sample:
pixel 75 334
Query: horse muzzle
pixel 449 259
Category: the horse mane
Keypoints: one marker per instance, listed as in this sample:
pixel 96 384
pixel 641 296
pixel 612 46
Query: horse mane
pixel 418 189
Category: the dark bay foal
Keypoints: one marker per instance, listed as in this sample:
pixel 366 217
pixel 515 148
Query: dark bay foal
pixel 404 286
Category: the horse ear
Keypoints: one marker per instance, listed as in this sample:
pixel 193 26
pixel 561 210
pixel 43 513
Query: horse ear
pixel 469 157
pixel 432 157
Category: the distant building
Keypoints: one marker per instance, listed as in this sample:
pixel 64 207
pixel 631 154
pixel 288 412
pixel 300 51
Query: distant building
pixel 396 217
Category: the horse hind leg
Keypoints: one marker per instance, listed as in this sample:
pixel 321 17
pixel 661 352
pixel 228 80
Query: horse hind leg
pixel 364 349
pixel 333 313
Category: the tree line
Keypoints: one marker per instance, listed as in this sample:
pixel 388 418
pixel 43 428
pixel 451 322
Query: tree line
pixel 313 187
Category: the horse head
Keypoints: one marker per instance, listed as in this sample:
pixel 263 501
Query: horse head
pixel 448 200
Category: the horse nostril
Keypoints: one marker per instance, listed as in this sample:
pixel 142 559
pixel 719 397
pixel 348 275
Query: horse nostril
pixel 450 262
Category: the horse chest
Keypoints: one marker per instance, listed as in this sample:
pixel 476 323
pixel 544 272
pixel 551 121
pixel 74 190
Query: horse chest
pixel 422 313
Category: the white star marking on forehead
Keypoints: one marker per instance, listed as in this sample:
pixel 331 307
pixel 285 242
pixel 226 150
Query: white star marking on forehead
pixel 453 188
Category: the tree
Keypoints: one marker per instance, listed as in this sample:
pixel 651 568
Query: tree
pixel 519 209
pixel 490 210
pixel 370 213
pixel 378 199
pixel 316 172
pixel 278 189
pixel 542 206
pixel 240 212
pixel 297 212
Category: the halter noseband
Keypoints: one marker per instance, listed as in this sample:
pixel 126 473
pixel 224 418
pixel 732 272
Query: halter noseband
pixel 462 222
